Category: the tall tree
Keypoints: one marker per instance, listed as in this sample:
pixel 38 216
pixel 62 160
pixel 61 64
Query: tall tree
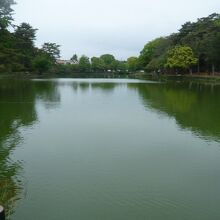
pixel 25 36
pixel 6 13
pixel 200 36
pixel 52 49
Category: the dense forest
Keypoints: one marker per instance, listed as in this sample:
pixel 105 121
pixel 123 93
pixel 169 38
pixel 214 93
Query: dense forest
pixel 194 49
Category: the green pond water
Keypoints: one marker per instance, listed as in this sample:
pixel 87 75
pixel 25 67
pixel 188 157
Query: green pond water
pixel 109 150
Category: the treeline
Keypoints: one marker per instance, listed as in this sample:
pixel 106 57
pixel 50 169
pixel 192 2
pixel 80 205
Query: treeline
pixel 195 48
pixel 105 65
pixel 18 52
pixel 17 49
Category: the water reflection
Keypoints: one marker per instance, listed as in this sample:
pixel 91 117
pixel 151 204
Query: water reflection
pixel 86 87
pixel 195 106
pixel 83 87
pixel 18 109
pixel 104 87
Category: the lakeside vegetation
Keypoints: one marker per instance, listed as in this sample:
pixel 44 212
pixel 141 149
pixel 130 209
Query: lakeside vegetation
pixel 194 49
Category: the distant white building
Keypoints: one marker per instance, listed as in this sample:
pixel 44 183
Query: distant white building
pixel 64 62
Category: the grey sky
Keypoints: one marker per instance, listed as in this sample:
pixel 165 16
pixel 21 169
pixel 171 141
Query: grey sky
pixel 119 27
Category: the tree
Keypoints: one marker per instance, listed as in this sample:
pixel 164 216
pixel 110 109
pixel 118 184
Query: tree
pixel 9 58
pixel 52 49
pixel 42 63
pixel 147 53
pixel 109 62
pixel 153 56
pixel 200 36
pixel 6 13
pixel 132 63
pixel 84 64
pixel 25 36
pixel 121 66
pixel 157 64
pixel 97 64
pixel 181 57
pixel 211 43
pixel 215 56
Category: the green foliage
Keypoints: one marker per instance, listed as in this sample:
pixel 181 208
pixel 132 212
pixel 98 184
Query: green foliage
pixel 201 36
pixel 18 52
pixel 52 49
pixel 157 63
pixel 109 62
pixel 158 59
pixel 75 68
pixel 148 53
pixel 10 57
pixel 25 36
pixel 181 57
pixel 121 66
pixel 132 64
pixel 42 63
pixel 84 64
pixel 6 13
pixel 64 70
pixel 97 64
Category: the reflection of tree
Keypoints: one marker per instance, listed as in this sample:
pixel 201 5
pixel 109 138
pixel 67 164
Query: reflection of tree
pixel 79 86
pixel 10 184
pixel 104 87
pixel 47 92
pixel 85 86
pixel 17 109
pixel 195 106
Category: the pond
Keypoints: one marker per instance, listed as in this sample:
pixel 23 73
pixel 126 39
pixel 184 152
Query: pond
pixel 104 149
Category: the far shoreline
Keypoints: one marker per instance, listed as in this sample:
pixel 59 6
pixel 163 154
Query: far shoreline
pixel 141 76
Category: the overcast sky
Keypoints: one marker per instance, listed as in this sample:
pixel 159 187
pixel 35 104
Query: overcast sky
pixel 119 27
